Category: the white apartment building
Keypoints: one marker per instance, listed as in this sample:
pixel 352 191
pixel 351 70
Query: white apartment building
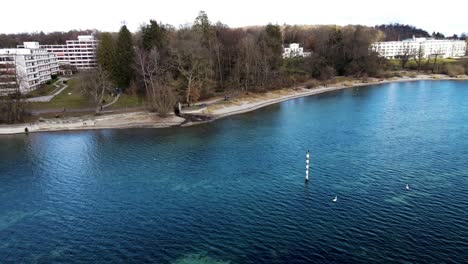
pixel 294 50
pixel 26 68
pixel 80 53
pixel 428 47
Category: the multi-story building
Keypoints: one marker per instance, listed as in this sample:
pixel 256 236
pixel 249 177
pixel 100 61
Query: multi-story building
pixel 26 67
pixel 80 54
pixel 293 50
pixel 415 46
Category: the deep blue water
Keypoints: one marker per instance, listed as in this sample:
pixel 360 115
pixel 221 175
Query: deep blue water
pixel 234 190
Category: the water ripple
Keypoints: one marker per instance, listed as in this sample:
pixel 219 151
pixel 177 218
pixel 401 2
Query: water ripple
pixel 233 191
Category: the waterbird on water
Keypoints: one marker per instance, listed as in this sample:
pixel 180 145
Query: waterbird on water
pixel 335 199
pixel 407 187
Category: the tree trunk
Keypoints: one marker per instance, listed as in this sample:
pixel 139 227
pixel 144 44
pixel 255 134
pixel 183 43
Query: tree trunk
pixel 189 86
pixel 99 103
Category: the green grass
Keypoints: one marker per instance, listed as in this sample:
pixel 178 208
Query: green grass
pixel 127 101
pixel 42 91
pixel 74 100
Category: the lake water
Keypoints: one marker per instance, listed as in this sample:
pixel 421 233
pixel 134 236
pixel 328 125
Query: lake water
pixel 234 191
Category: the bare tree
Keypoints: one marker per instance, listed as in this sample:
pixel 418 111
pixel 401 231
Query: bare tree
pixel 95 84
pixel 160 97
pixel 191 73
pixel 407 54
pixel 250 62
pixel 419 56
pixel 192 61
pixel 435 66
pixel 13 108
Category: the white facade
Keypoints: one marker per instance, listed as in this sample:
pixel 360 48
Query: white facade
pixel 79 53
pixel 428 47
pixel 28 67
pixel 293 50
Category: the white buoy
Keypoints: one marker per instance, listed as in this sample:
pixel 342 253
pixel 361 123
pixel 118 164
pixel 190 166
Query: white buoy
pixel 307 166
pixel 335 199
pixel 407 187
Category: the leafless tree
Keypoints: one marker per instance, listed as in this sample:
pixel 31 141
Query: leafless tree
pixel 250 62
pixel 419 56
pixel 192 61
pixel 435 66
pixel 95 84
pixel 160 96
pixel 13 108
pixel 407 54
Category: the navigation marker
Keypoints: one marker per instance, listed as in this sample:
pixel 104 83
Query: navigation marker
pixel 307 167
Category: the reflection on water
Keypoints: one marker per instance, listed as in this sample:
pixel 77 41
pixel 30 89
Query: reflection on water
pixel 233 191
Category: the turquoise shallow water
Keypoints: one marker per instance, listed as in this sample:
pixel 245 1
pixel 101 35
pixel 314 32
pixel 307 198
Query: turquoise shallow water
pixel 233 190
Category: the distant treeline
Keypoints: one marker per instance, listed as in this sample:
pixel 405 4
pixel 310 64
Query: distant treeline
pixel 291 34
pixel 53 38
pixel 396 32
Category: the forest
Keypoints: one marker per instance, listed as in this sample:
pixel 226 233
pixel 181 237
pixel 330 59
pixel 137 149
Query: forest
pixel 164 65
pixel 196 61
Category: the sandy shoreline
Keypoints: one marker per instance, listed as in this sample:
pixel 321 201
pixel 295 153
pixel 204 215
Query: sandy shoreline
pixel 112 121
pixel 216 111
pixel 302 92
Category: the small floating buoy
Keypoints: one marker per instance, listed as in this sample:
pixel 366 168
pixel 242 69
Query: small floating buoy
pixel 407 187
pixel 335 199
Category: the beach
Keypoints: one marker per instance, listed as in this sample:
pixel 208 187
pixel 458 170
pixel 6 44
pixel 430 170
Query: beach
pixel 214 111
pixel 111 121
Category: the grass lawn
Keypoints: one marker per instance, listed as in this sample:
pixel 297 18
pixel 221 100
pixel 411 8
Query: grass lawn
pixel 127 101
pixel 42 91
pixel 70 98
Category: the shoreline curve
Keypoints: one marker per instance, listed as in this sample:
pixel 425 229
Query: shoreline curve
pixel 149 120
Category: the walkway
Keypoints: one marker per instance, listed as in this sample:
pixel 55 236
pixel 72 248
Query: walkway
pixel 113 102
pixel 47 98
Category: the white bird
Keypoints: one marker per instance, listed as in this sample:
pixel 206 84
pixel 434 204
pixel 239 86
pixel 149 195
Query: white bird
pixel 335 199
pixel 407 187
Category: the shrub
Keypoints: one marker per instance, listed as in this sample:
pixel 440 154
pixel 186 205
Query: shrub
pixel 412 75
pixel 195 93
pixel 312 84
pixel 162 101
pixel 327 73
pixel 454 70
pixel 206 92
pixel 464 63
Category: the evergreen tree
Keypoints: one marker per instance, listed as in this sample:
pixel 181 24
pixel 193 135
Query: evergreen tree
pixel 125 55
pixel 274 41
pixel 203 25
pixel 153 35
pixel 106 54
